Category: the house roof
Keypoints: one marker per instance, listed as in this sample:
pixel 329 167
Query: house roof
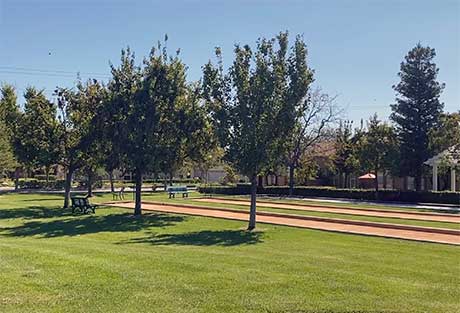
pixel 447 156
pixel 367 176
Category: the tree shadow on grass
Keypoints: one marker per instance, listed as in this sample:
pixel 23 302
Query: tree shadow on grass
pixel 90 224
pixel 43 199
pixel 224 238
pixel 34 212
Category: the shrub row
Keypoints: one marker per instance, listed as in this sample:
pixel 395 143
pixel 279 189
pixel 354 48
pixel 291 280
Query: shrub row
pixel 32 183
pixel 443 197
pixel 153 181
pixel 43 177
pixel 41 184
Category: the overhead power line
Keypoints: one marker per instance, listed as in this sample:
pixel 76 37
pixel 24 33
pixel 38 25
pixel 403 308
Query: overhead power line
pixel 34 71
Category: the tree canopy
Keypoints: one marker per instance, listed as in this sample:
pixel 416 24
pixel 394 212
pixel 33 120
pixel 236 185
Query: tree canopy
pixel 154 115
pixel 378 148
pixel 256 103
pixel 77 140
pixel 36 135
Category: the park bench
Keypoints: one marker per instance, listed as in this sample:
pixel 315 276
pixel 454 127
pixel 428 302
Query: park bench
pixel 120 195
pixel 82 205
pixel 172 191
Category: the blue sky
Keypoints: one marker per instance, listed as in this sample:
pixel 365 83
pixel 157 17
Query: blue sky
pixel 354 46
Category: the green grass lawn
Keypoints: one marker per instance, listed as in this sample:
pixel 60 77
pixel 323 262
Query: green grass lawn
pixel 52 261
pixel 354 205
pixel 161 197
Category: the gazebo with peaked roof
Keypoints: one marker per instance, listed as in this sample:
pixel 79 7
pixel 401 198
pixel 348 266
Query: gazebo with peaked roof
pixel 448 157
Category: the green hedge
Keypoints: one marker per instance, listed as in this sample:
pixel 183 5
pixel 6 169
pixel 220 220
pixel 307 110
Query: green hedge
pixel 159 182
pixel 444 197
pixel 43 177
pixel 41 184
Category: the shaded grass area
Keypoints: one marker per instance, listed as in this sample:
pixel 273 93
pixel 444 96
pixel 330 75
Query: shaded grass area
pixel 53 261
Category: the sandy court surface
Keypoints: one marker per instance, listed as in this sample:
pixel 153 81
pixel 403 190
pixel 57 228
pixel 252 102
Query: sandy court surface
pixel 435 217
pixel 366 228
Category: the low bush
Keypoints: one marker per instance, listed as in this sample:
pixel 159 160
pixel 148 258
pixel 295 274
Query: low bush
pixel 159 182
pixel 43 177
pixel 444 197
pixel 41 184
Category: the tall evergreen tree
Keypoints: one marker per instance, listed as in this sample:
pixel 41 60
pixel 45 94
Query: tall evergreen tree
pixel 35 139
pixel 417 109
pixel 7 160
pixel 9 109
pixel 9 116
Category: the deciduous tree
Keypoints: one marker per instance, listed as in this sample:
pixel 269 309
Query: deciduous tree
pixel 316 114
pixel 346 159
pixel 77 141
pixel 378 148
pixel 256 104
pixel 155 117
pixel 447 135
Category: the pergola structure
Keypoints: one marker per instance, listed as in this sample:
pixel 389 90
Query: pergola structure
pixel 449 158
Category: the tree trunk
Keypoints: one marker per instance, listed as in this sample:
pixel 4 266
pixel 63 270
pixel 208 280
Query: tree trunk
pixel 252 211
pixel 291 180
pixel 137 207
pixel 112 187
pixel 16 178
pixel 170 179
pixel 376 185
pixel 67 187
pixel 47 173
pixel 376 181
pixel 90 183
pixel 418 180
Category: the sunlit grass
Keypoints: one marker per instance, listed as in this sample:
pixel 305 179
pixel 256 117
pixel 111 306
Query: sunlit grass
pixel 52 261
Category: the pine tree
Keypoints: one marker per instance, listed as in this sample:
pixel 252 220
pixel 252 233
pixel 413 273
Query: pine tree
pixel 35 138
pixel 417 109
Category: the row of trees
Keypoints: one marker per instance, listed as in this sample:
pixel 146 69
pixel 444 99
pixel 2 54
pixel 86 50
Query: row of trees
pixel 420 128
pixel 377 148
pixel 260 115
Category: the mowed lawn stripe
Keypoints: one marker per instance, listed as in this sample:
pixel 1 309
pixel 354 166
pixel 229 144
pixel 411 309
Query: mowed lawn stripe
pixel 374 229
pixel 434 217
pixel 191 201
